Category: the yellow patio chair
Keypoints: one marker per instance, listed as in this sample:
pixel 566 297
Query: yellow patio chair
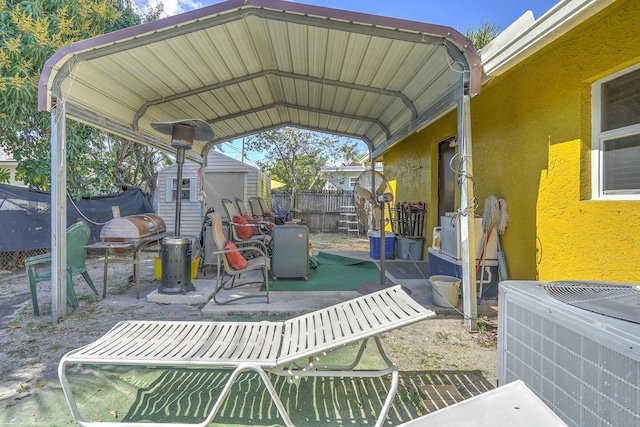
pixel 77 238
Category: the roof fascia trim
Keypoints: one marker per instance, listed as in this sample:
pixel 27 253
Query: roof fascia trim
pixel 555 23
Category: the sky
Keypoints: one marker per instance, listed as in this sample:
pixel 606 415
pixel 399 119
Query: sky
pixel 457 14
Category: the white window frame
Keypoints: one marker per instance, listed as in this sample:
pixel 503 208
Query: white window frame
pixel 599 138
pixel 171 190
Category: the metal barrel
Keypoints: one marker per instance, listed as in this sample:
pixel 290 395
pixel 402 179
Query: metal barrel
pixel 176 265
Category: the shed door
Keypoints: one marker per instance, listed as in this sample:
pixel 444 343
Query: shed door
pixel 223 184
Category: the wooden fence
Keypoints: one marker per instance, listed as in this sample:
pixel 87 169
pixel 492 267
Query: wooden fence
pixel 320 210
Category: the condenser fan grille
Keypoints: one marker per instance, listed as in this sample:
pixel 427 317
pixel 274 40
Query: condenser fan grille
pixel 609 299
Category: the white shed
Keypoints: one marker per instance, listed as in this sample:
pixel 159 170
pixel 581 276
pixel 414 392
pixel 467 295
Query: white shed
pixel 229 178
pixel 223 177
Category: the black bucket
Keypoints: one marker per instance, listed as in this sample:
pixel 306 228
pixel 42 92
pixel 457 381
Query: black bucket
pixel 176 266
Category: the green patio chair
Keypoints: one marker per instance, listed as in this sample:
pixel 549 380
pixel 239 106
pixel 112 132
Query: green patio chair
pixel 77 238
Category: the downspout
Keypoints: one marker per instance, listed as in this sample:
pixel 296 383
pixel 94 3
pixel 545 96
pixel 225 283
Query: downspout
pixel 466 213
pixel 58 211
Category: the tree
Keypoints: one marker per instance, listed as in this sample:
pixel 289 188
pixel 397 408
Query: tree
pixel 5 176
pixel 135 165
pixel 481 36
pixel 30 32
pixel 296 157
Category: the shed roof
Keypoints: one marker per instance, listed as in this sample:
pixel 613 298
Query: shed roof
pixel 246 66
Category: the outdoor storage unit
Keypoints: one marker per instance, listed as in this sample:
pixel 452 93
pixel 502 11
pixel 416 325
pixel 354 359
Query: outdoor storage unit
pixel 389 245
pixel 583 364
pixel 176 265
pixel 290 257
pixel 451 244
pixel 442 264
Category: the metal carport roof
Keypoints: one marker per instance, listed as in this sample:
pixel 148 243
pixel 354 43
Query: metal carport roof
pixel 246 66
pixel 249 65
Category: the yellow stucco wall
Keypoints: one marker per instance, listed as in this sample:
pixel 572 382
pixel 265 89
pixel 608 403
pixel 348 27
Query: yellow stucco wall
pixel 413 164
pixel 531 132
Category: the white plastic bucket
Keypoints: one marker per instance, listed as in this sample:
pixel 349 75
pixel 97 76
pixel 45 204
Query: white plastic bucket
pixel 445 290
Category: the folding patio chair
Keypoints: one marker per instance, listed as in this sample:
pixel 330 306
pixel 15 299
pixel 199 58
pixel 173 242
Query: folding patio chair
pixel 242 208
pixel 259 209
pixel 231 262
pixel 242 230
pixel 293 348
pixel 265 225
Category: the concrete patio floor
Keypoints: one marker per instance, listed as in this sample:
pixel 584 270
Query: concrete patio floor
pixel 413 275
pixel 436 389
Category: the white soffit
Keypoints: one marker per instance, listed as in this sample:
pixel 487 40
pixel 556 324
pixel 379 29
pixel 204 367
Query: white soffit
pixel 246 66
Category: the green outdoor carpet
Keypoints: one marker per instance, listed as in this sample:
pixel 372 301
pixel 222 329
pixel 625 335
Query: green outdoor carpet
pixel 334 273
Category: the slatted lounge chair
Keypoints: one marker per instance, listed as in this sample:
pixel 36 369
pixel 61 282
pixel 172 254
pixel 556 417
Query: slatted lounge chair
pixel 293 348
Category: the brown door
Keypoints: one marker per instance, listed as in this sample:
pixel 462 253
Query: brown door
pixel 446 178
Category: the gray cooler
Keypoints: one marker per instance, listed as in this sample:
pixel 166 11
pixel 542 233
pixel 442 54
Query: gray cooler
pixel 290 257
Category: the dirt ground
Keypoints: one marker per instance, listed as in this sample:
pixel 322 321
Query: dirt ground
pixel 31 346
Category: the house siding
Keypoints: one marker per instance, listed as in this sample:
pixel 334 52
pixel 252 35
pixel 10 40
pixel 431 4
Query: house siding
pixel 531 141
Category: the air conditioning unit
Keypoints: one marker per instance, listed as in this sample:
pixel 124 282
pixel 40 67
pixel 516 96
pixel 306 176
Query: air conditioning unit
pixel 576 345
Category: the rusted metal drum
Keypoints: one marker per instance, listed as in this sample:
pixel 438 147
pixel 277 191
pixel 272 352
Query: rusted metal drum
pixel 176 265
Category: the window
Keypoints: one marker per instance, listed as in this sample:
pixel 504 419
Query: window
pixel 352 181
pixel 188 189
pixel 616 136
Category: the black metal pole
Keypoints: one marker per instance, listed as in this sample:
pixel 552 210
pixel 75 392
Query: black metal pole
pixel 180 162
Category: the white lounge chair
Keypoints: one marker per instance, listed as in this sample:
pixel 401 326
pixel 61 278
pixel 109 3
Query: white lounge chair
pixel 293 348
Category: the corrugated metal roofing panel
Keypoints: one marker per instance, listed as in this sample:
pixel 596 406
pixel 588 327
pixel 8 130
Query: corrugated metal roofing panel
pixel 250 65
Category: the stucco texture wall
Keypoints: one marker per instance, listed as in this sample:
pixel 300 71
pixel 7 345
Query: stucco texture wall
pixel 531 136
pixel 413 165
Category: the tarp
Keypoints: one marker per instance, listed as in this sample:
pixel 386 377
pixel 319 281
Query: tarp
pixel 25 215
